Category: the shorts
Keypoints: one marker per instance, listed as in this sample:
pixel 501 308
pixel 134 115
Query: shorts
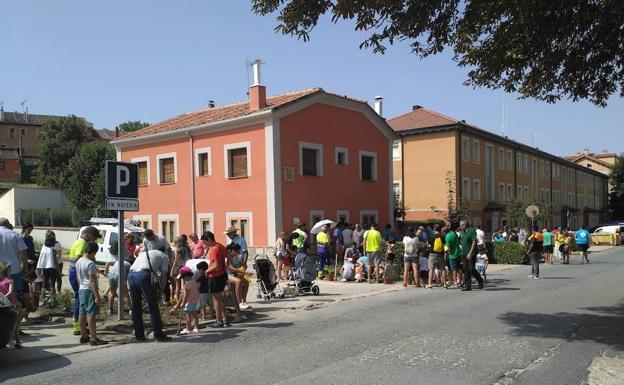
pixel 190 308
pixel 374 258
pixel 113 280
pixel 480 269
pixel 582 247
pixel 18 281
pixel 205 299
pixel 436 261
pixel 87 303
pixel 217 284
pixel 454 264
pixel 549 249
pixel 410 259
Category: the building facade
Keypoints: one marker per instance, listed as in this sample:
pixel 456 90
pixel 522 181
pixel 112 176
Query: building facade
pixel 485 171
pixel 263 165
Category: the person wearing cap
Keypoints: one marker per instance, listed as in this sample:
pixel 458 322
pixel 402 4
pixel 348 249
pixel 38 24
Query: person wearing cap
pixel 190 300
pixel 77 250
pixel 231 233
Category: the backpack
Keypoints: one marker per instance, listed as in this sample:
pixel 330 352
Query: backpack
pixel 410 248
pixel 438 245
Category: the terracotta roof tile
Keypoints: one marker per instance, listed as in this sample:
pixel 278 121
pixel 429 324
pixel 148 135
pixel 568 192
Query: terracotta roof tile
pixel 216 114
pixel 420 118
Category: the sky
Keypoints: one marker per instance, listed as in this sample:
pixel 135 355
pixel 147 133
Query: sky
pixel 114 61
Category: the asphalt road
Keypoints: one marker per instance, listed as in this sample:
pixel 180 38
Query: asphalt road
pixel 516 331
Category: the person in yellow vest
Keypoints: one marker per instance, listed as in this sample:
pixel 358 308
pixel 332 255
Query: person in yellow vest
pixel 77 250
pixel 322 247
pixel 372 248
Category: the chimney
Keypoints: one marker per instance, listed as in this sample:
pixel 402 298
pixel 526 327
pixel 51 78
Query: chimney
pixel 211 104
pixel 415 107
pixel 379 105
pixel 257 92
pixel 586 151
pixel 116 132
pixel 1 113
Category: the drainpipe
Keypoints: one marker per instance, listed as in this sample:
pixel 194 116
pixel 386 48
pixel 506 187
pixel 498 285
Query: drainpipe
pixel 192 162
pixel 403 177
pixel 550 172
pixel 515 168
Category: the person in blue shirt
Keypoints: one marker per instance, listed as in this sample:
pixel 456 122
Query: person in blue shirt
pixel 582 243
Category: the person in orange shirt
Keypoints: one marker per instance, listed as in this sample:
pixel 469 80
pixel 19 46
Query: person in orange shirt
pixel 536 246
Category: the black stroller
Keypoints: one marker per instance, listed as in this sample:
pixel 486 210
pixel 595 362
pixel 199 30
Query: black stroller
pixel 266 279
pixel 303 274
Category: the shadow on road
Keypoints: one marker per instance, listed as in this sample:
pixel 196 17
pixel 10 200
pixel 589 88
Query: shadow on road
pixel 9 369
pixel 599 324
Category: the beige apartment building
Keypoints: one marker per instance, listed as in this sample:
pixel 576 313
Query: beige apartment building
pixel 488 170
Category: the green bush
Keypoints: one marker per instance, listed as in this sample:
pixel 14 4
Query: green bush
pixel 509 253
pixel 65 299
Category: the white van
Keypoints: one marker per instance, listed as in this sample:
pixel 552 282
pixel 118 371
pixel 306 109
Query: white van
pixel 108 228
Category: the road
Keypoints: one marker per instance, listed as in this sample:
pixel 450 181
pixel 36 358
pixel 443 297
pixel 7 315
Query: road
pixel 517 331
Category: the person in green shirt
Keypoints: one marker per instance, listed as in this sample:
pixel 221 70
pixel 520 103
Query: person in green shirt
pixel 77 250
pixel 451 246
pixel 468 252
pixel 548 245
pixel 372 248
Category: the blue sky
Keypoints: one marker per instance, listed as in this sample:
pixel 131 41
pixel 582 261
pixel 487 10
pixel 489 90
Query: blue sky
pixel 115 61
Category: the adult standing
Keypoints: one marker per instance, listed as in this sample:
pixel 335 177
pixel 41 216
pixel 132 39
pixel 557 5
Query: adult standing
pixel 480 237
pixel 522 237
pixel 13 251
pixel 582 243
pixel 299 237
pixel 410 256
pixel 436 258
pixel 548 245
pixel 560 238
pixel 150 262
pixel 280 254
pixel 322 248
pixel 372 246
pixel 30 244
pixel 153 241
pixel 199 248
pixel 347 236
pixel 358 237
pixel 536 245
pixel 47 261
pixel 232 235
pixel 217 278
pixel 469 252
pixel 77 250
pixel 451 245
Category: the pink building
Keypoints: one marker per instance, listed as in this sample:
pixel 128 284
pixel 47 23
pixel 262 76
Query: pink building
pixel 263 164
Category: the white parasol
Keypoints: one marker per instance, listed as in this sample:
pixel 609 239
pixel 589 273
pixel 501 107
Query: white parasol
pixel 319 225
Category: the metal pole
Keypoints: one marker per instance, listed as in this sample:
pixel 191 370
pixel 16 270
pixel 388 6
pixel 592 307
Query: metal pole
pixel 122 270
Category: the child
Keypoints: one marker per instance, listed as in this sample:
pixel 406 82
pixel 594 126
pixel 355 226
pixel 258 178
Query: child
pixel 424 267
pixel 7 287
pixel 89 295
pixel 190 300
pixel 112 273
pixel 347 271
pixel 482 263
pixel 182 255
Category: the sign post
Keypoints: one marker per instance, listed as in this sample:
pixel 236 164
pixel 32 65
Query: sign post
pixel 122 193
pixel 532 211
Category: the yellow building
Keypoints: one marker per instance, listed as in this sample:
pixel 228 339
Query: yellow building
pixel 486 171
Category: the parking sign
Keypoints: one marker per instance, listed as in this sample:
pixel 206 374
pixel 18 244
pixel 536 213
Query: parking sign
pixel 122 186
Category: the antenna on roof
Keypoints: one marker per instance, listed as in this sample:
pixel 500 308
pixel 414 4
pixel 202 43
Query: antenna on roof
pixel 504 117
pixel 24 109
pixel 247 65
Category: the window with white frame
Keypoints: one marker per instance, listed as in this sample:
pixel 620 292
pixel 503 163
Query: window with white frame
pixel 509 160
pixel 509 192
pixel 501 158
pixel 342 216
pixel 465 192
pixel 501 192
pixel 237 160
pixel 143 221
pixel 143 166
pixel 316 216
pixel 396 150
pixel 519 162
pixel 168 226
pixel 476 151
pixel 541 168
pixel 542 198
pixel 477 189
pixel 368 165
pixel 342 156
pixel 167 169
pixel 310 159
pixel 368 217
pixel 465 148
pixel 205 222
pixel 243 221
pixel 547 169
pixel 525 163
pixel 203 162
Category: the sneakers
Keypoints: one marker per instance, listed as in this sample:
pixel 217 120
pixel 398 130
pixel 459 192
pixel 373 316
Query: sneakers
pixel 84 340
pixel 185 331
pixel 243 305
pixel 195 331
pixel 429 287
pixel 216 325
pixel 343 280
pixel 535 277
pixel 239 318
pixel 531 276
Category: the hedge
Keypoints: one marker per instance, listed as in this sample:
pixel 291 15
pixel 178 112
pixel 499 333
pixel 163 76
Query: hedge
pixel 511 253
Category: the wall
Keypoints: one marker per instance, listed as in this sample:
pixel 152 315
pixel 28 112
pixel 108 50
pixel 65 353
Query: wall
pixel 340 187
pixel 29 140
pixel 22 198
pixel 65 236
pixel 427 159
pixel 11 172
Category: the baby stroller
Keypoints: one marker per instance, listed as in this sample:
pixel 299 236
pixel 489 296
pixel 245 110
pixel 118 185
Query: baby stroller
pixel 303 274
pixel 266 279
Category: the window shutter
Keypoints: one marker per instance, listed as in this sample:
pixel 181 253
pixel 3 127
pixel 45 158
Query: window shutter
pixel 238 162
pixel 203 164
pixel 142 173
pixel 309 161
pixel 168 170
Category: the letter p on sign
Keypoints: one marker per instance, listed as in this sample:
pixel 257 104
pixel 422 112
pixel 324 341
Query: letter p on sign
pixel 122 180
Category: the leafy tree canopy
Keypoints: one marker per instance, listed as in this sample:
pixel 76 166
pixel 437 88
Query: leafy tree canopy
pixel 132 125
pixel 85 181
pixel 542 49
pixel 616 196
pixel 59 141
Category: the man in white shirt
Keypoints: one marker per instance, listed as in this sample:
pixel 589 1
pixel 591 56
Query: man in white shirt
pixel 233 237
pixel 13 252
pixel 347 236
pixel 480 236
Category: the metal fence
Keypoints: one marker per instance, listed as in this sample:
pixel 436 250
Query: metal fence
pixel 54 217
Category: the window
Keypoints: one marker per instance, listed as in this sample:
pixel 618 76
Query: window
pixel 368 166
pixel 168 229
pixel 23 131
pixel 167 168
pixel 144 221
pixel 396 150
pixel 490 190
pixel 243 221
pixel 342 216
pixel 2 165
pixel 465 149
pixel 501 158
pixel 315 216
pixel 203 162
pixel 237 160
pixel 519 193
pixel 205 222
pixel 142 173
pixel 477 189
pixel 310 159
pixel 534 177
pixel 541 168
pixel 11 132
pixel 396 189
pixel 527 197
pixel 476 151
pixel 367 217
pixel 465 191
pixel 547 169
pixel 509 160
pixel 509 192
pixel 525 163
pixel 501 192
pixel 519 162
pixel 542 198
pixel 342 156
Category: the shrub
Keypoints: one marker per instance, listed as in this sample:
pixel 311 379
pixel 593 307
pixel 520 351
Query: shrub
pixel 489 251
pixel 65 299
pixel 509 253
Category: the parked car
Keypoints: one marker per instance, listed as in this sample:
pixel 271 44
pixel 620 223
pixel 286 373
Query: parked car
pixel 609 234
pixel 7 320
pixel 109 231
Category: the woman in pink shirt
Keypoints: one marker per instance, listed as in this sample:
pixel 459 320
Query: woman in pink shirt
pixel 199 248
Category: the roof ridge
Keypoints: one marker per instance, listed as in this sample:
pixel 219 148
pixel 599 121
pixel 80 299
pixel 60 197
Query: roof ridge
pixel 427 110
